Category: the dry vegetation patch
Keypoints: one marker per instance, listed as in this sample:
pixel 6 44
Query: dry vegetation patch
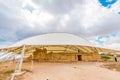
pixel 112 66
pixel 7 69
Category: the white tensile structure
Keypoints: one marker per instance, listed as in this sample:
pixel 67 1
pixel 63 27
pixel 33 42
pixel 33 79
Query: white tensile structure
pixel 59 43
pixel 57 47
pixel 53 39
pixel 7 56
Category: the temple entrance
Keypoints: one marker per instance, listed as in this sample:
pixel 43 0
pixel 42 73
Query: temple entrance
pixel 79 58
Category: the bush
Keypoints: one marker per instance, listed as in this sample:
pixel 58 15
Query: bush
pixel 12 70
pixel 9 71
pixel 105 57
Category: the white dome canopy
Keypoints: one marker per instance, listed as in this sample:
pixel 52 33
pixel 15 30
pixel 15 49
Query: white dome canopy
pixel 53 39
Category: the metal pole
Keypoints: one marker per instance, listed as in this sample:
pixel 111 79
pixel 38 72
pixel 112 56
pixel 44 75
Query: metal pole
pixel 19 64
pixel 21 59
pixel 32 62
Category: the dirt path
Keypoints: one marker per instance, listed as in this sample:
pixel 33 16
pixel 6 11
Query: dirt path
pixel 72 71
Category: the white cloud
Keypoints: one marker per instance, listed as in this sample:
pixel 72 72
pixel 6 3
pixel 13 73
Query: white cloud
pixel 104 39
pixel 42 18
pixel 23 18
pixel 64 20
pixel 111 41
pixel 115 46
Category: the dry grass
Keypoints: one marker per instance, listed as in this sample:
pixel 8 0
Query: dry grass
pixel 7 68
pixel 6 74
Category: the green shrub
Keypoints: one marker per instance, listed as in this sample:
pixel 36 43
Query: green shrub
pixel 105 57
pixel 8 71
pixel 12 70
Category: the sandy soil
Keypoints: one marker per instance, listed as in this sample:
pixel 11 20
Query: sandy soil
pixel 72 71
pixel 69 71
pixel 115 66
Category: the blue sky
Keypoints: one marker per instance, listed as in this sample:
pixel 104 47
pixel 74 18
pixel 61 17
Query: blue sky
pixel 107 3
pixel 96 20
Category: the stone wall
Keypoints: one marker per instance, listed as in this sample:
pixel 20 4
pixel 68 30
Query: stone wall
pixel 42 55
pixel 58 53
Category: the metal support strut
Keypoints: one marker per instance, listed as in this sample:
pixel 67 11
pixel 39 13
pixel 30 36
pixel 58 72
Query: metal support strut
pixel 19 67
